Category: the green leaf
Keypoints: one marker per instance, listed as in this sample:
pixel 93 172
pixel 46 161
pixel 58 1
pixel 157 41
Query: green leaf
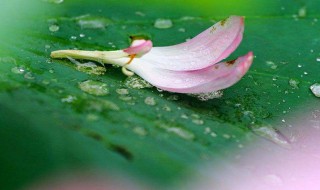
pixel 49 125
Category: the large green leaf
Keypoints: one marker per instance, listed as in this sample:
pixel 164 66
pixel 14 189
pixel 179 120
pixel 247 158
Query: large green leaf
pixel 48 124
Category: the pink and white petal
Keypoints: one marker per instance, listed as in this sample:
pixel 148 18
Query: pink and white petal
pixel 139 47
pixel 213 78
pixel 207 48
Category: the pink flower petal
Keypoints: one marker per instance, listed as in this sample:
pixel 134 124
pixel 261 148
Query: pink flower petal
pixel 139 47
pixel 207 48
pixel 212 78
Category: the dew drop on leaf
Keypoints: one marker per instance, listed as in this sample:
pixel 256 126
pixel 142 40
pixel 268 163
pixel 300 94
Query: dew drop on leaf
pixel 51 71
pixel 18 70
pixel 166 108
pixel 182 30
pixel 69 99
pixel 122 91
pixel 181 133
pixel 54 28
pixel 226 136
pixel 140 131
pixel 208 96
pixel 173 98
pixel 163 23
pixel 89 67
pixel 54 1
pixel 29 76
pixel 73 37
pixel 136 83
pixel 272 65
pixel 302 12
pixel 92 22
pixel 315 89
pixel 294 83
pixel 94 87
pixel 150 101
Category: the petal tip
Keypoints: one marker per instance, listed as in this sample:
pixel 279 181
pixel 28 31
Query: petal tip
pixel 247 62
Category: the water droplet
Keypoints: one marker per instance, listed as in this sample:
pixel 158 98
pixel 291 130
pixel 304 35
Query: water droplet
pixel 173 98
pixel 302 12
pixel 294 83
pixel 213 134
pixel 208 96
pixel 187 18
pixel 54 28
pixel 270 133
pixel 54 1
pixel 159 90
pixel 315 89
pixel 126 98
pixel 92 22
pixel 150 101
pixel 272 65
pixel 166 108
pixel 100 105
pixel 140 131
pixel 29 76
pixel 275 78
pixel 207 130
pixel 184 116
pixel 305 73
pixel 94 87
pixel 18 70
pixel 89 67
pixel 318 59
pixel 122 91
pixel 181 132
pixel 73 37
pixel 226 136
pixel 196 119
pixel 51 71
pixel 137 83
pixel 139 13
pixel 92 117
pixel 299 66
pixel 69 99
pixel 163 23
pixel 182 30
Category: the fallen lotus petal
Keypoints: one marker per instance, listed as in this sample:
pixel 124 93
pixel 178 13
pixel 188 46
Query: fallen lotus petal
pixel 190 67
pixel 209 47
pixel 216 77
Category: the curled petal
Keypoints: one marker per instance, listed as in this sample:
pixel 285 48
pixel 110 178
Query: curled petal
pixel 139 47
pixel 212 78
pixel 207 48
